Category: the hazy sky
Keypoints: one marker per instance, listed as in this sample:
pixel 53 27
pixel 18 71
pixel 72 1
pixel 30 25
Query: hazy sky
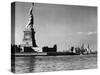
pixel 64 25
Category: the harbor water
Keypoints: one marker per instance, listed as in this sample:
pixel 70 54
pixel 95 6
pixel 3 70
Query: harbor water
pixel 54 63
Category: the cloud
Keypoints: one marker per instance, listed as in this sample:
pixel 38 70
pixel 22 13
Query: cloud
pixel 86 33
pixel 80 33
pixel 91 33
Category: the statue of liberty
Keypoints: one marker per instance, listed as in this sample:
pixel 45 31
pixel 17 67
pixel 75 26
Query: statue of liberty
pixel 29 33
pixel 31 19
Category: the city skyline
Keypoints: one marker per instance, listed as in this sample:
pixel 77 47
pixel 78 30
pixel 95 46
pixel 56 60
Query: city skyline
pixel 64 25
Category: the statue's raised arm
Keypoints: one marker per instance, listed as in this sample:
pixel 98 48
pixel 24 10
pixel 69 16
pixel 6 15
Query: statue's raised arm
pixel 31 19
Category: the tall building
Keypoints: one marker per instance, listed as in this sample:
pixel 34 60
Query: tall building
pixel 88 49
pixel 50 49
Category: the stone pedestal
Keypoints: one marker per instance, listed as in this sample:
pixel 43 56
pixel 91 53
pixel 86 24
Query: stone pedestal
pixel 29 38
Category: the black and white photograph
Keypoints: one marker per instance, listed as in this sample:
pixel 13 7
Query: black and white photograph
pixel 48 37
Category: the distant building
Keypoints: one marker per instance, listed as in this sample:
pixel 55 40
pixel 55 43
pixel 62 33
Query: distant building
pixel 88 49
pixel 72 49
pixel 47 49
pixel 16 48
pixel 28 49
